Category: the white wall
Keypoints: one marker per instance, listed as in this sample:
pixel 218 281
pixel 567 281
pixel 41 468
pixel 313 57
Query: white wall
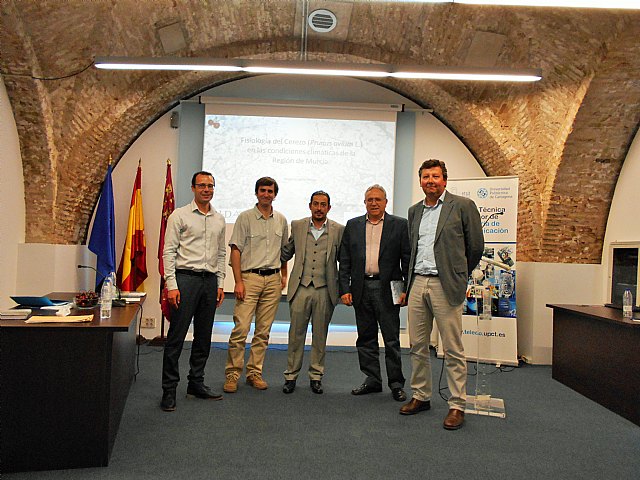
pixel 12 227
pixel 623 224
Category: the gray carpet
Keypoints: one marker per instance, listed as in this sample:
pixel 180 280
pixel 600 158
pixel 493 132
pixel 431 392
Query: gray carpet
pixel 550 431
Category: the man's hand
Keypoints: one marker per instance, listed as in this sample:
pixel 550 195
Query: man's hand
pixel 283 282
pixel 220 297
pixel 174 297
pixel 239 290
pixel 347 299
pixel 402 300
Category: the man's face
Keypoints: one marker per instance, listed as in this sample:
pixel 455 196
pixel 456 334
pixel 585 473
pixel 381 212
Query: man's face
pixel 265 195
pixel 203 189
pixel 375 201
pixel 319 207
pixel 432 182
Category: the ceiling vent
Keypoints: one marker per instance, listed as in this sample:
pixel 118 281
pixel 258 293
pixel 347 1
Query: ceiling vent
pixel 322 21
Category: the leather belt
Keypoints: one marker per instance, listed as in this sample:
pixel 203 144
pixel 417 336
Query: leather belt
pixel 372 277
pixel 194 273
pixel 427 274
pixel 265 272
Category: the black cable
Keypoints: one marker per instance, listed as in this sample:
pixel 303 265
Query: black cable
pixel 139 312
pixel 9 74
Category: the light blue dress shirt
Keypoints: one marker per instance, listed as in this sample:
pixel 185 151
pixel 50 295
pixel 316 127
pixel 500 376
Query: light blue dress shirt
pixel 425 258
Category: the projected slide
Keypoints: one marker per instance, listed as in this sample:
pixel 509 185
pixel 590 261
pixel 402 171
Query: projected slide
pixel 342 157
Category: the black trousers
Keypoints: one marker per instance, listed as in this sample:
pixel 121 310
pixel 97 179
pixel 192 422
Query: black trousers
pixel 198 297
pixel 370 313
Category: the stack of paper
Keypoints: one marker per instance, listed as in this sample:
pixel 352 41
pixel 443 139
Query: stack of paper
pixel 15 314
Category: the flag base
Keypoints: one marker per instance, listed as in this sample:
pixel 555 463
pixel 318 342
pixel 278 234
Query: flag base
pixel 158 341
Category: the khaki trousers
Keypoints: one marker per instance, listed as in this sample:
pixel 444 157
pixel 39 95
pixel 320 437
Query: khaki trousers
pixel 427 301
pixel 262 296
pixel 309 303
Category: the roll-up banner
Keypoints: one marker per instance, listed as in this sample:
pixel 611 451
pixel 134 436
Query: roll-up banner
pixel 492 340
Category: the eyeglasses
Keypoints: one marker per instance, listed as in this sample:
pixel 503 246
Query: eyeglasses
pixel 202 186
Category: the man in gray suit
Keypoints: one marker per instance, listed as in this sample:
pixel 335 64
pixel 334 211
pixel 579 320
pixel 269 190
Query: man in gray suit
pixel 446 244
pixel 374 255
pixel 313 288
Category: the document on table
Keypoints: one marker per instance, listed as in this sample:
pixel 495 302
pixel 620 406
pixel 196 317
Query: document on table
pixel 52 319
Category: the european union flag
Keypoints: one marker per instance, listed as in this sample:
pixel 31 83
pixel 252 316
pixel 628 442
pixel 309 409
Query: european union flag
pixel 103 234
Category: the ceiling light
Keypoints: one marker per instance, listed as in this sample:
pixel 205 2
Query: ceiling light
pixel 610 4
pixel 320 68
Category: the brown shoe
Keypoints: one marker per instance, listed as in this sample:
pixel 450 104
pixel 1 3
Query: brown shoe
pixel 256 381
pixel 454 420
pixel 230 384
pixel 415 406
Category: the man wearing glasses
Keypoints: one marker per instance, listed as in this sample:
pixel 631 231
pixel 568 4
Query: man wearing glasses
pixel 374 261
pixel 194 263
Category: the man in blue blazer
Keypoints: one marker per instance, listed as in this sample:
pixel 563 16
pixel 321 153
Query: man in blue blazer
pixel 374 257
pixel 447 243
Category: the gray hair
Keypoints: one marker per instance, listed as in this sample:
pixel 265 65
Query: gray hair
pixel 376 186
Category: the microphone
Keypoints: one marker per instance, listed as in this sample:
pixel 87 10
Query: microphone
pixel 116 302
pixel 102 275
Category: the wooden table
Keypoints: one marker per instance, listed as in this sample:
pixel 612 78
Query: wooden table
pixel 597 353
pixel 64 388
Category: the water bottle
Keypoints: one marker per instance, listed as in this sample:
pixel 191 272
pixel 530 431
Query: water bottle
pixel 486 302
pixel 105 299
pixel 114 287
pixel 627 304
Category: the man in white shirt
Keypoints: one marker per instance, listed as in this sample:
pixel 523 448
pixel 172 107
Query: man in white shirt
pixel 194 263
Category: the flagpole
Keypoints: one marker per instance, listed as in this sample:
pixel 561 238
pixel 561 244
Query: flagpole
pixel 168 206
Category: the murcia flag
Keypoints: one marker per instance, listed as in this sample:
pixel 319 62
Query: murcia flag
pixel 168 205
pixel 133 264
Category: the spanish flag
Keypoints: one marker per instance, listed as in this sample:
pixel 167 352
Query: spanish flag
pixel 133 264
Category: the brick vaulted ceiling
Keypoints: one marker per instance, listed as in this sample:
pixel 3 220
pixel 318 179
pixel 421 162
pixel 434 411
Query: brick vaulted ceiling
pixel 566 136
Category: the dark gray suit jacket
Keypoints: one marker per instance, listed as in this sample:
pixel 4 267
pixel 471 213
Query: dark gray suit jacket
pixel 393 260
pixel 458 246
pixel 297 245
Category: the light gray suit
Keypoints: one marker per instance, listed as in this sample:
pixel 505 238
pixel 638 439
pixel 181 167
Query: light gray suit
pixel 310 302
pixel 458 247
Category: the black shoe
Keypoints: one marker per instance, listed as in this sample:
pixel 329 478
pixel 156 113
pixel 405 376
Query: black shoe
pixel 316 386
pixel 364 389
pixel 289 386
pixel 202 391
pixel 168 403
pixel 398 394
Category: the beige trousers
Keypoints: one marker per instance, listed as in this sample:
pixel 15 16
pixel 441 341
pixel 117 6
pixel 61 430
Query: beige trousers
pixel 427 301
pixel 309 303
pixel 262 296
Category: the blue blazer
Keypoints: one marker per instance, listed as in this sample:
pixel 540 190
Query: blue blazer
pixel 393 259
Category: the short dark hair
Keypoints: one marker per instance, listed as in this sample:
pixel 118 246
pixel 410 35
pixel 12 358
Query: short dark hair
pixel 267 182
pixel 202 172
pixel 432 163
pixel 320 192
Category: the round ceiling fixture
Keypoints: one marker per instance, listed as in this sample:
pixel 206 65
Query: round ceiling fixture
pixel 322 20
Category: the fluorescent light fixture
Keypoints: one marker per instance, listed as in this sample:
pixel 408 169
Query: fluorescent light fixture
pixel 627 4
pixel 319 68
pixel 611 4
pixel 168 63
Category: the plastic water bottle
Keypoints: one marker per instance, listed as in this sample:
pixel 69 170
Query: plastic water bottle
pixel 105 299
pixel 114 287
pixel 486 302
pixel 627 304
